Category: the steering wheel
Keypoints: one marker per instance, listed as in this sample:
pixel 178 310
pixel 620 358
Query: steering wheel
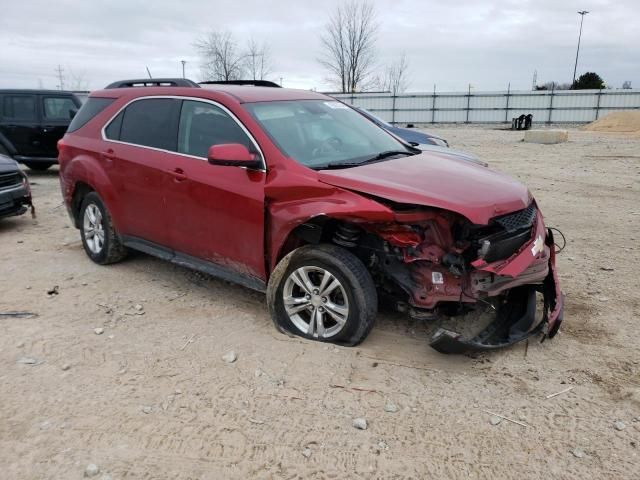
pixel 328 145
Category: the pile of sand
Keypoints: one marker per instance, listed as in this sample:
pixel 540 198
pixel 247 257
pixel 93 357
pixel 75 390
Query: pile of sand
pixel 627 121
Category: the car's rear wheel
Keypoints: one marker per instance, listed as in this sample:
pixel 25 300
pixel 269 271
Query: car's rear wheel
pixel 38 166
pixel 100 240
pixel 324 293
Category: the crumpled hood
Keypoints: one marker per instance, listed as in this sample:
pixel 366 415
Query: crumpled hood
pixel 436 180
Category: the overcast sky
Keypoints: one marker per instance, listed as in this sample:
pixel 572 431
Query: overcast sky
pixel 450 44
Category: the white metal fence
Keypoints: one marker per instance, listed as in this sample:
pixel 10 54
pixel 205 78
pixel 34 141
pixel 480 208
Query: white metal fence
pixel 546 106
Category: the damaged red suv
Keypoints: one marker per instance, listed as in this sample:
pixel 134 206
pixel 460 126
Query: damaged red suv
pixel 294 194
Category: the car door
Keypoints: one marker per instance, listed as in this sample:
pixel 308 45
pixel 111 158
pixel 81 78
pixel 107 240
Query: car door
pixel 215 213
pixel 137 160
pixel 57 112
pixel 20 124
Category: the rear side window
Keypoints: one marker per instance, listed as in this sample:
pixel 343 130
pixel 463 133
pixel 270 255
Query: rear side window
pixel 58 108
pixel 91 108
pixel 151 123
pixel 19 107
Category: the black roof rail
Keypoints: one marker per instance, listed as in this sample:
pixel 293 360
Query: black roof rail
pixel 254 83
pixel 154 82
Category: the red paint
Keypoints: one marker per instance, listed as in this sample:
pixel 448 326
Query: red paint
pixel 230 152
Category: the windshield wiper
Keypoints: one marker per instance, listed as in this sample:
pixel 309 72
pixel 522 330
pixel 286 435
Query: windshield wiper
pixel 375 158
pixel 387 154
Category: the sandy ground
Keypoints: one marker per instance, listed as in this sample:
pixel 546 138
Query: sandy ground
pixel 142 402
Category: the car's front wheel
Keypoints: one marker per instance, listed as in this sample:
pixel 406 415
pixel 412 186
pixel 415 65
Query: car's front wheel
pixel 325 293
pixel 100 240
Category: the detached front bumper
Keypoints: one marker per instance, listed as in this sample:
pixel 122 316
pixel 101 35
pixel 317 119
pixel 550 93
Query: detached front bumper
pixel 516 318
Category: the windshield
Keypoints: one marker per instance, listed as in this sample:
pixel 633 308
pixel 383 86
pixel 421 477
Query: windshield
pixel 320 134
pixel 376 118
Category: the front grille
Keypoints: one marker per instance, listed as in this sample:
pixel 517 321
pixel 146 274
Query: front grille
pixel 517 220
pixel 505 244
pixel 10 179
pixel 505 234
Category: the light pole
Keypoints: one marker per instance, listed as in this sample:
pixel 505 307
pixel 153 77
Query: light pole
pixel 582 14
pixel 183 62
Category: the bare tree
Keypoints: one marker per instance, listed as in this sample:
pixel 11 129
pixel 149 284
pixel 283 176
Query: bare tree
pixel 258 59
pixel 396 80
pixel 220 57
pixel 349 43
pixel 78 80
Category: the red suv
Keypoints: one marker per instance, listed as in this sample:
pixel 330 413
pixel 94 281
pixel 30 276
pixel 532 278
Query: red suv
pixel 294 193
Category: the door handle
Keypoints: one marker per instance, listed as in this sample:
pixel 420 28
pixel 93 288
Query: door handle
pixel 109 155
pixel 178 174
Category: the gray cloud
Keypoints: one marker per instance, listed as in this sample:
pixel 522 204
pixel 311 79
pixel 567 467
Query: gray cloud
pixel 452 44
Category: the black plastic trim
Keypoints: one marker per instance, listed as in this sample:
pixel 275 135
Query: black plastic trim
pixel 254 83
pixel 22 158
pixel 153 82
pixel 194 263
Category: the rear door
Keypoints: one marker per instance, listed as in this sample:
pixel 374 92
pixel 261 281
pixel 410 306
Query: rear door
pixel 57 112
pixel 19 124
pixel 215 213
pixel 137 159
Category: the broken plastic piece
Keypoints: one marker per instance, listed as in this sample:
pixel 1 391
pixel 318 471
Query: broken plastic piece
pixel 515 319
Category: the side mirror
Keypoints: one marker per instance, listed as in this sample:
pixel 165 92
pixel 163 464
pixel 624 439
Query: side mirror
pixel 233 155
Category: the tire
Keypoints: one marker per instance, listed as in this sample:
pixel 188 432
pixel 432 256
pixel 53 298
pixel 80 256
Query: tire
pixel 38 166
pixel 99 239
pixel 354 293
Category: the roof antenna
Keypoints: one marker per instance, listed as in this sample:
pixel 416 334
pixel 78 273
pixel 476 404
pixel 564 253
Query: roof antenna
pixel 148 71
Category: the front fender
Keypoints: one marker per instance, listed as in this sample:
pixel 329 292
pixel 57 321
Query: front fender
pixel 287 209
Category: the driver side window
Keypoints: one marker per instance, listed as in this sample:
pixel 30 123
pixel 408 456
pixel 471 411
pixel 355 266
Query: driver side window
pixel 203 125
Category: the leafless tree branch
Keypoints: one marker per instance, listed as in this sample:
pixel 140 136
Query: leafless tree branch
pixel 78 80
pixel 258 60
pixel 220 57
pixel 349 44
pixel 396 80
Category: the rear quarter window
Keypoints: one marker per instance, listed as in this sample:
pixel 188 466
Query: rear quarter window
pixel 112 131
pixel 92 107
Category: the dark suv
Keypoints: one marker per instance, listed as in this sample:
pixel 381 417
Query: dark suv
pixel 32 122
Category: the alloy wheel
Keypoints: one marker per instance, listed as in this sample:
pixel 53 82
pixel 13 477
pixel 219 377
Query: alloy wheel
pixel 93 228
pixel 316 302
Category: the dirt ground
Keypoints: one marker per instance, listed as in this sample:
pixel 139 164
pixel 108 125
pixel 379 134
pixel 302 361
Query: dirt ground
pixel 142 401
